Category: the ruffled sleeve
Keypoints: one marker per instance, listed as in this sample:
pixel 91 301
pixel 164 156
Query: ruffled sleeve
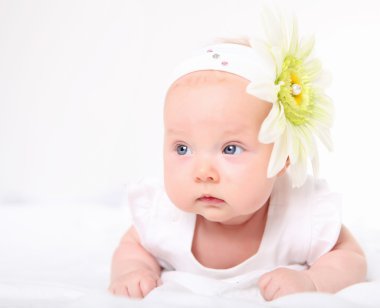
pixel 325 221
pixel 159 224
pixel 141 199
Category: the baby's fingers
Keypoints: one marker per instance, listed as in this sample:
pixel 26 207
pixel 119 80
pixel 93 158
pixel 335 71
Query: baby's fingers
pixel 119 290
pixel 134 289
pixel 147 285
pixel 136 284
pixel 269 289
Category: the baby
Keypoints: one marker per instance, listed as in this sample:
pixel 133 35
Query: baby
pixel 240 123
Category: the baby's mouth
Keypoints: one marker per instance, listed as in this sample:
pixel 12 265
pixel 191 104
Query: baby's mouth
pixel 210 199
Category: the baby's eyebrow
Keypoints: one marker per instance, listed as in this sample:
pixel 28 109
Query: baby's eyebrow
pixel 172 131
pixel 225 131
pixel 236 130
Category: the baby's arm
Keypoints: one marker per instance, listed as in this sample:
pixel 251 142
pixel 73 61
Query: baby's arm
pixel 344 265
pixel 135 272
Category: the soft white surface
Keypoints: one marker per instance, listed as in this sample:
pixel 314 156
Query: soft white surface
pixel 58 255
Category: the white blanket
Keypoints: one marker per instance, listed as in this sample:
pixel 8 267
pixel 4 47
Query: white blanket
pixel 59 256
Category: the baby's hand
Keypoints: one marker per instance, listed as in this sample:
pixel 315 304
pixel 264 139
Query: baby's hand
pixel 284 281
pixel 135 284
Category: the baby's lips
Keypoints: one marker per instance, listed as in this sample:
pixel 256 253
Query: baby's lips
pixel 209 198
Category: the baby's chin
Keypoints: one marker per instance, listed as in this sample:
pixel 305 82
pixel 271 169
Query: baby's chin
pixel 210 213
pixel 217 213
pixel 226 218
pixel 218 216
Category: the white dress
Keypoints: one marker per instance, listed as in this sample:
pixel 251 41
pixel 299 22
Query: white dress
pixel 302 225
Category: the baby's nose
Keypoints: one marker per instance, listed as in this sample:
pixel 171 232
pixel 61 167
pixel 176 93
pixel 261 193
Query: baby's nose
pixel 205 171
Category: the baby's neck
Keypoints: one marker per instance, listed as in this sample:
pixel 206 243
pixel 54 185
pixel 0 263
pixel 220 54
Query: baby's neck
pixel 254 220
pixel 241 240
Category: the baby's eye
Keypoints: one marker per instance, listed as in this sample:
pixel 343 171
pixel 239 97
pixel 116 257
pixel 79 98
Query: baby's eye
pixel 182 149
pixel 232 149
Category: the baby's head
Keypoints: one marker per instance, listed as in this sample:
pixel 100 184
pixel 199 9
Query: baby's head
pixel 237 117
pixel 215 165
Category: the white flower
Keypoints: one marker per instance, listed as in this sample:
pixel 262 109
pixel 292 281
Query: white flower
pixel 301 111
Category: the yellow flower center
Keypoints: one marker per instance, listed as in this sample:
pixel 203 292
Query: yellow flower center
pixel 295 81
pixel 295 94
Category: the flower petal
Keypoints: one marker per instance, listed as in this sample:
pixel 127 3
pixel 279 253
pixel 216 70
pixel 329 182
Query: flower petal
pixel 298 170
pixel 306 140
pixel 313 69
pixel 315 164
pixel 323 80
pixel 266 58
pixel 325 136
pixel 273 26
pixel 306 47
pixel 278 58
pixel 294 144
pixel 278 157
pixel 264 91
pixel 293 40
pixel 273 126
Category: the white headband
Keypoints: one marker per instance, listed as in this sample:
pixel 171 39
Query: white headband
pixel 232 58
pixel 281 71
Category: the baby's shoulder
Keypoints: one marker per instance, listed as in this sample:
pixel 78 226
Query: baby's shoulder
pixel 309 218
pixel 147 200
pixel 311 190
pixel 313 201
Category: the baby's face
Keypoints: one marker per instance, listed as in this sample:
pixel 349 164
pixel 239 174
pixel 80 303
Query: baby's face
pixel 214 164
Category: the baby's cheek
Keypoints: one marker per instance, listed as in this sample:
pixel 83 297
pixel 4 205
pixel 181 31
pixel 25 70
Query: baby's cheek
pixel 173 183
pixel 178 195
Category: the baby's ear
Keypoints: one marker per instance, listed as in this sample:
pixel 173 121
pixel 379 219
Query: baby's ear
pixel 283 170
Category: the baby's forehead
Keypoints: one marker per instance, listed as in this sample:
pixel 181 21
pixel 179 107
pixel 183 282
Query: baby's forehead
pixel 203 77
pixel 213 98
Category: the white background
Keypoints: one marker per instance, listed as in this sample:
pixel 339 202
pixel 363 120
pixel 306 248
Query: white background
pixel 82 85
